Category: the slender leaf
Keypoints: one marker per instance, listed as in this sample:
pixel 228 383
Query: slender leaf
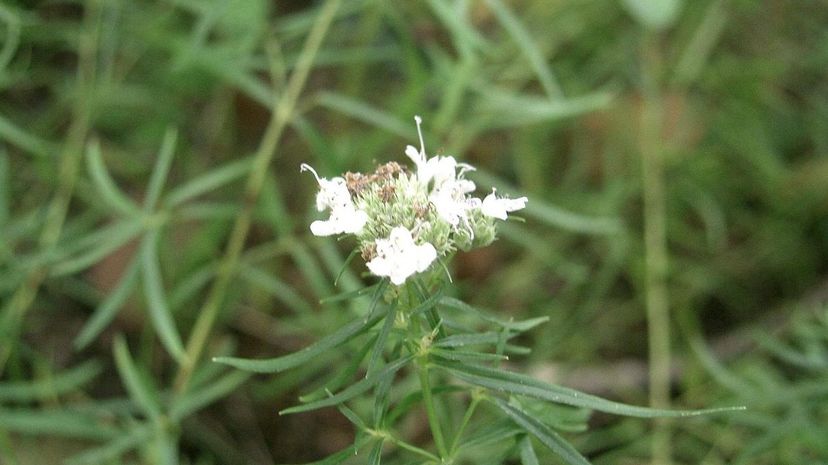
pixel 160 170
pixel 209 181
pixel 382 338
pixel 350 294
pixel 375 456
pixel 159 310
pixel 275 365
pixel 5 188
pixel 61 383
pixel 353 390
pixel 527 452
pixel 193 401
pixel 108 190
pixel 107 309
pixel 467 356
pixel 516 383
pixel 519 326
pixel 545 434
pixel 113 449
pixel 527 46
pixel 63 423
pixel 120 234
pixel 136 384
pixel 461 340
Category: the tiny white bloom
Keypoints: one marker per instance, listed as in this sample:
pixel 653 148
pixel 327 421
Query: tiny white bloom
pixel 498 207
pixel 399 257
pixel 334 195
pixel 450 201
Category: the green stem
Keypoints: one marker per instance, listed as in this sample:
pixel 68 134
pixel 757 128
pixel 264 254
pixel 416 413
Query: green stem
pixel 655 243
pixel 70 161
pixel 431 412
pixel 466 418
pixel 283 110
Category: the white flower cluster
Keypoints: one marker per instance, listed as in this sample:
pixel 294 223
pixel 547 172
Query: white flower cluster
pixel 404 221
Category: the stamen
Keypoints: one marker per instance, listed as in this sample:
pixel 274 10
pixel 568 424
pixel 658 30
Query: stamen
pixel 419 121
pixel 307 167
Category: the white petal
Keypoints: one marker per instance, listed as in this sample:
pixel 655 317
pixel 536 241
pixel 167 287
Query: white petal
pixel 324 228
pixel 497 208
pixel 398 257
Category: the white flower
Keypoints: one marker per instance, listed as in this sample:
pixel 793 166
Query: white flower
pixel 333 194
pixel 498 207
pixel 437 168
pixel 398 257
pixel 450 201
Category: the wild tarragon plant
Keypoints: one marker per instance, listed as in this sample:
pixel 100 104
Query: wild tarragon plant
pixel 418 349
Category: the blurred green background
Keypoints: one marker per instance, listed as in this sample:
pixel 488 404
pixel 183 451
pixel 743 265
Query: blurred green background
pixel 674 153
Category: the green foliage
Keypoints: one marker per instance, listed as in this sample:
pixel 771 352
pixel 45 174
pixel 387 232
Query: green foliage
pixel 152 218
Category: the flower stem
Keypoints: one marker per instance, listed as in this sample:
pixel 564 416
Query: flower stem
pixel 655 244
pixel 428 400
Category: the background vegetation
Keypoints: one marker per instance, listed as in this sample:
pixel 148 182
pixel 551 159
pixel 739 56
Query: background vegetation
pixel 674 155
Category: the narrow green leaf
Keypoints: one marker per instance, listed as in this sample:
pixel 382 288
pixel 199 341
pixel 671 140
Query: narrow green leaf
pixel 365 113
pixel 353 390
pixel 276 287
pixel 24 140
pixel 104 184
pixel 516 383
pixel 120 233
pixel 208 181
pixel 136 384
pixel 545 434
pixel 343 376
pixel 160 170
pixel 527 452
pixel 390 317
pixel 344 454
pixel 461 340
pixel 375 456
pixel 519 326
pixel 349 295
pixel 59 384
pixel 467 356
pixel 193 401
pixel 492 433
pixel 109 307
pixel 62 423
pixel 275 365
pixel 526 44
pixel 159 311
pixel 113 449
pixel 352 417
